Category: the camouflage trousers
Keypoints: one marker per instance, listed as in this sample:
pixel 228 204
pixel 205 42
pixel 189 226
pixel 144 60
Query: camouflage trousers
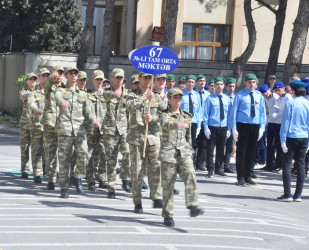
pixel 96 168
pixel 184 167
pixel 50 149
pixel 112 144
pixel 24 149
pixel 65 146
pixel 36 152
pixel 138 169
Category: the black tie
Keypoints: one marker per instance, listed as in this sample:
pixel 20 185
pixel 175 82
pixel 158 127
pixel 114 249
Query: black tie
pixel 252 105
pixel 221 107
pixel 190 104
pixel 201 98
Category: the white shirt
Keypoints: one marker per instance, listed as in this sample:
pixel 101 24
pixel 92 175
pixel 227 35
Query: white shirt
pixel 271 105
pixel 281 105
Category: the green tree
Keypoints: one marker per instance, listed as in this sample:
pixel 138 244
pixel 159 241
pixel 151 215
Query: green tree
pixel 51 25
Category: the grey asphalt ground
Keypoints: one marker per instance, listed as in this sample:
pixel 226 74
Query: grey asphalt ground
pixel 32 217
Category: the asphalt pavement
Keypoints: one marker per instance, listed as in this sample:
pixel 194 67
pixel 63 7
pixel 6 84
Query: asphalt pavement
pixel 32 217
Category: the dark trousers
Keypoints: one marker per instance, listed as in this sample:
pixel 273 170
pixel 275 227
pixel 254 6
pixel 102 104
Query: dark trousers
pixel 217 139
pixel 273 142
pixel 307 162
pixel 228 151
pixel 261 151
pixel 246 148
pixel 297 148
pixel 193 135
pixel 201 148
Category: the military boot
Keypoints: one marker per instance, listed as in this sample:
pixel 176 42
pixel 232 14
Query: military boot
pixel 126 186
pixel 79 186
pixel 195 211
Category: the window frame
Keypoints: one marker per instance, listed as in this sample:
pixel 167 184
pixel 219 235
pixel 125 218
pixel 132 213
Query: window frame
pixel 212 44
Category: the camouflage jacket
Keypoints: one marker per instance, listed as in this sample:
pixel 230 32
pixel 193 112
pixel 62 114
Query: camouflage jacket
pixel 51 111
pixel 116 114
pixel 26 113
pixel 36 103
pixel 174 139
pixel 137 107
pixel 98 105
pixel 71 121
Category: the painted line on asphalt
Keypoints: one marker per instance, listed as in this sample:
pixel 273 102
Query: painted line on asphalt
pixel 147 229
pixel 135 233
pixel 130 244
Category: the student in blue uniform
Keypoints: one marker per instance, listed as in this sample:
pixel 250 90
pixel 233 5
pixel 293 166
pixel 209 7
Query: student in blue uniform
pixel 248 125
pixel 191 103
pixel 230 93
pixel 294 135
pixel 217 112
pixel 201 139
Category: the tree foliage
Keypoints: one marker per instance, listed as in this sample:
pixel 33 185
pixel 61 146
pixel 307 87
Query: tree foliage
pixel 50 25
pixel 212 4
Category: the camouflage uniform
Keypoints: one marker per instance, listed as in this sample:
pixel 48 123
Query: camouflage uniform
pixel 36 103
pixel 137 107
pixel 96 168
pixel 115 136
pixel 49 121
pixel 176 157
pixel 71 132
pixel 25 130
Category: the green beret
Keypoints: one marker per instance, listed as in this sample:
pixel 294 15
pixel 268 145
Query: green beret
pixel 219 79
pixel 199 76
pixel 193 77
pixel 182 78
pixel 174 91
pixel 298 84
pixel 171 77
pixel 251 77
pixel 211 81
pixel 230 80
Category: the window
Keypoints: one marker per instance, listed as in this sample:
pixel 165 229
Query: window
pixel 206 42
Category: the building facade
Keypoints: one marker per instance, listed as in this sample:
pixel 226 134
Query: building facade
pixel 217 36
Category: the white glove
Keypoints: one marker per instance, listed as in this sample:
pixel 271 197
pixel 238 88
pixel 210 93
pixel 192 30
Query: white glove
pixel 235 134
pixel 274 115
pixel 207 133
pixel 261 132
pixel 198 130
pixel 284 148
pixel 228 134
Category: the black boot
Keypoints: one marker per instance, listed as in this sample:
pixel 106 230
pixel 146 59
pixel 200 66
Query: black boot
pixel 195 211
pixel 24 175
pixel 79 186
pixel 126 186
pixel 169 222
pixel 64 193
pixel 91 186
pixel 37 179
pixel 145 186
pixel 51 186
pixel 157 203
pixel 102 184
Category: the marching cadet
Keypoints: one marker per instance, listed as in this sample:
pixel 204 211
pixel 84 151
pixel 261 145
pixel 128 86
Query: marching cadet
pixel 294 136
pixel 49 121
pixel 81 84
pixel 201 139
pixel 115 133
pixel 134 82
pixel 36 105
pixel 73 110
pixel 170 82
pixel 217 111
pixel 42 77
pixel 96 168
pixel 191 103
pixel 106 84
pixel 230 93
pixel 176 157
pixel 25 124
pixel 137 105
pixel 248 125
